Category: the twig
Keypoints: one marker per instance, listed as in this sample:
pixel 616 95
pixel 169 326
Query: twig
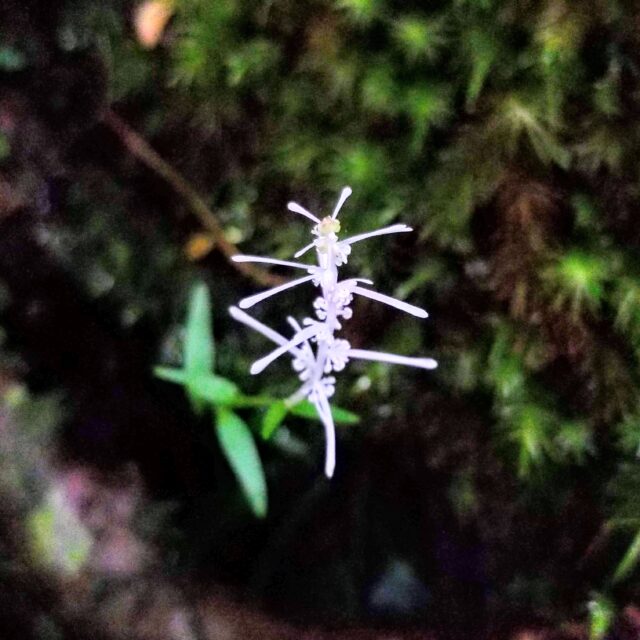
pixel 141 149
pixel 597 543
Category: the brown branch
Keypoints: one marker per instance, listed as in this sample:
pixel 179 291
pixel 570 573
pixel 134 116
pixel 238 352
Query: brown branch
pixel 141 149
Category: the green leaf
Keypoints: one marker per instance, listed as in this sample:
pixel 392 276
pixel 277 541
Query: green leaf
pixel 273 418
pixel 521 116
pixel 629 561
pixel 577 280
pixel 213 389
pixel 529 426
pixel 427 104
pixel 305 409
pixel 361 11
pixel 240 450
pixel 420 38
pixel 601 615
pixel 250 402
pixel 482 51
pixel 170 374
pixel 198 345
pixel 379 89
pixel 250 63
pixel 574 440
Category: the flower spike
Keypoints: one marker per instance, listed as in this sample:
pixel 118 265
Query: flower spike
pixel 315 350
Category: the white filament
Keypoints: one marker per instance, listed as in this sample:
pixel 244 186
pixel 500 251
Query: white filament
pixel 256 325
pixel 392 302
pixel 296 208
pixel 260 365
pixel 392 358
pixel 346 192
pixel 396 228
pixel 282 263
pixel 324 411
pixel 304 250
pixel 259 297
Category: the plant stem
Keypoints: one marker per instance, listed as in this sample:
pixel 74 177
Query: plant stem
pixel 142 150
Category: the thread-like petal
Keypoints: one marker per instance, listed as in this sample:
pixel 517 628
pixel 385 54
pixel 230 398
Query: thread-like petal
pixel 304 250
pixel 263 363
pixel 256 325
pixel 392 358
pixel 349 281
pixel 296 327
pixel 398 304
pixel 258 297
pixel 296 208
pixel 395 228
pixel 324 411
pixel 346 192
pixel 266 260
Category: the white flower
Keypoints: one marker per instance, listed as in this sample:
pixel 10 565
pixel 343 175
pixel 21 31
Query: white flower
pixel 320 305
pixel 338 355
pixel 329 354
pixel 325 387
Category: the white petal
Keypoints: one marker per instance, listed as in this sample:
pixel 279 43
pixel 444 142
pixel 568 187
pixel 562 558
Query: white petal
pixel 392 358
pixel 263 363
pixel 251 300
pixel 294 323
pixel 396 228
pixel 349 281
pixel 398 304
pixel 304 250
pixel 296 208
pixel 267 332
pixel 346 192
pixel 296 327
pixel 282 263
pixel 324 411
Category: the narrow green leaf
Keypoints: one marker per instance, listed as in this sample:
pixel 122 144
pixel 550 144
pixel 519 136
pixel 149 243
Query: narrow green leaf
pixel 240 450
pixel 601 616
pixel 213 389
pixel 482 53
pixel 170 374
pixel 305 409
pixel 250 402
pixel 629 561
pixel 273 418
pixel 198 341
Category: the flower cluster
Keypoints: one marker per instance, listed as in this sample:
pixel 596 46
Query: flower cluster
pixel 314 347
